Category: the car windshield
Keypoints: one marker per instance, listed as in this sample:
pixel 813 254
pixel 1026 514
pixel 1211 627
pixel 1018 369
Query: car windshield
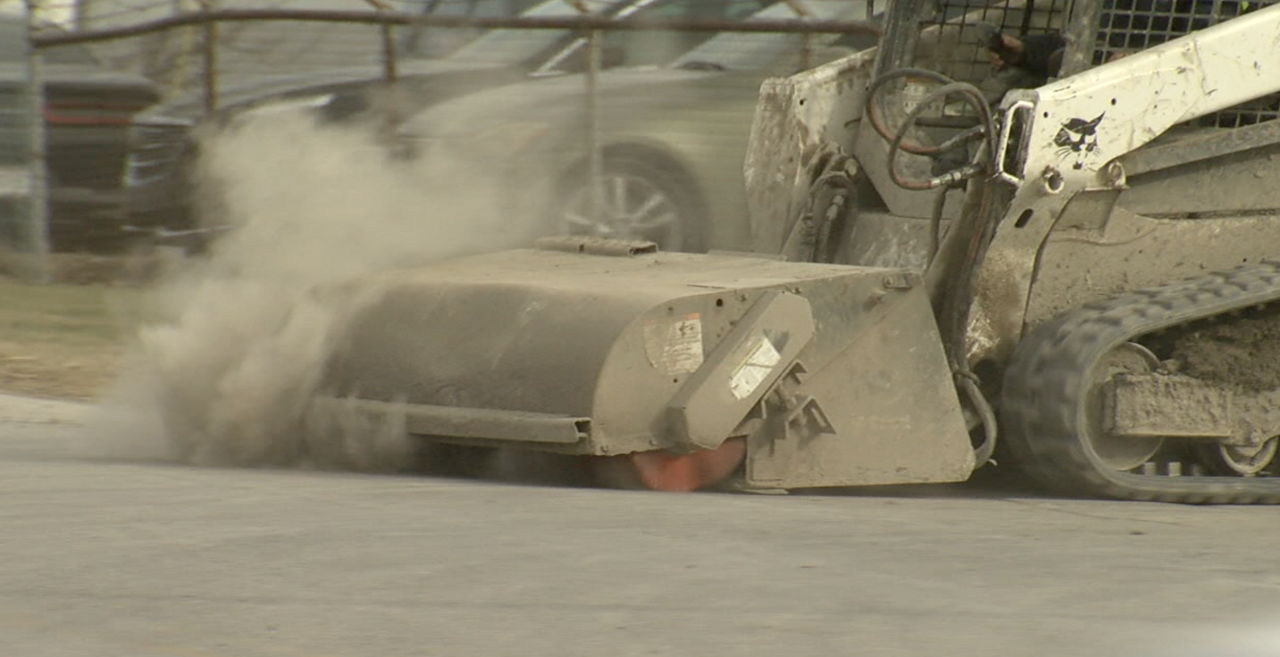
pixel 510 46
pixel 752 51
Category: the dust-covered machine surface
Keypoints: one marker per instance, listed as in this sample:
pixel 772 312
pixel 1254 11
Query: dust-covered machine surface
pixel 1031 236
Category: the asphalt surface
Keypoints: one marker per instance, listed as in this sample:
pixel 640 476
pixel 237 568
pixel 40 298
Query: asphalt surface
pixel 108 559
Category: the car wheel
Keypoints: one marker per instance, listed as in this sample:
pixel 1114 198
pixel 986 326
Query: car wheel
pixel 637 200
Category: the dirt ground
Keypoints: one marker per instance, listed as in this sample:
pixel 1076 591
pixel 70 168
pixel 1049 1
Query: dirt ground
pixel 63 340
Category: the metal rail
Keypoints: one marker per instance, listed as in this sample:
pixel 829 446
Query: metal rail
pixel 399 18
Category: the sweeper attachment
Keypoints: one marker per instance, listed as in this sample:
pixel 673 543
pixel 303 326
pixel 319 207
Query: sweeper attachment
pixel 694 365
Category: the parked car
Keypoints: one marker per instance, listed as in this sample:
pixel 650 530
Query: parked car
pixel 159 180
pixel 87 109
pixel 672 139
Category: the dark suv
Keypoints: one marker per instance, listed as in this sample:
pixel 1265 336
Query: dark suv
pixel 87 109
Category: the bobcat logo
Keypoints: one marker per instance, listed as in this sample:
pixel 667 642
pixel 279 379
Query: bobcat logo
pixel 1077 138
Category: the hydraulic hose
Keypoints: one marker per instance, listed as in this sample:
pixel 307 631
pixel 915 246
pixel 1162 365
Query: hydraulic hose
pixel 951 260
pixel 952 177
pixel 873 116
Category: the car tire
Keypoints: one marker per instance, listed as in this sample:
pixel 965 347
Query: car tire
pixel 640 199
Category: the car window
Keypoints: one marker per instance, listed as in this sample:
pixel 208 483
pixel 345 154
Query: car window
pixel 514 46
pixel 654 47
pixel 773 53
pixel 438 42
pixel 68 55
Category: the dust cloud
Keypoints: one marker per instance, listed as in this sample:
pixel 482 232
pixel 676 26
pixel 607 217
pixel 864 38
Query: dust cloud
pixel 232 346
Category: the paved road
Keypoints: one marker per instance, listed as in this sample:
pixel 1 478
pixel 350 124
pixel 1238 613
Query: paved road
pixel 104 559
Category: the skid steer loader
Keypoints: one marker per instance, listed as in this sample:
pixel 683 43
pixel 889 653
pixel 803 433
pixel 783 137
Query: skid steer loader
pixel 1078 269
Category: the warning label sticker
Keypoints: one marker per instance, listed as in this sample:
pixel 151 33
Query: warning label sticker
pixel 754 369
pixel 674 345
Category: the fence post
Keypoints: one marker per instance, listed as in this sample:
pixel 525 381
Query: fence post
pixel 390 74
pixel 595 160
pixel 210 48
pixel 806 47
pixel 36 231
pixel 82 15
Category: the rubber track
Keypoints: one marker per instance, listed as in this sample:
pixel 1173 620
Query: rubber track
pixel 1043 409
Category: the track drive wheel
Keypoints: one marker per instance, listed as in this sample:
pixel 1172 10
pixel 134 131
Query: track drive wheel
pixel 1062 439
pixel 1118 453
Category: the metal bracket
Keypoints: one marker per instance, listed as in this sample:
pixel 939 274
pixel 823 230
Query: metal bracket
pixel 801 416
pixel 741 371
